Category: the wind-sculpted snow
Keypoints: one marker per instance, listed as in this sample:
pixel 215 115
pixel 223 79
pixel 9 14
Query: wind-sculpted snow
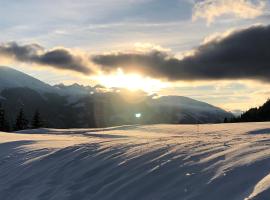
pixel 189 162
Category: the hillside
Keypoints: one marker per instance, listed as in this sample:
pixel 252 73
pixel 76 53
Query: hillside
pixel 190 111
pixel 11 78
pixel 226 161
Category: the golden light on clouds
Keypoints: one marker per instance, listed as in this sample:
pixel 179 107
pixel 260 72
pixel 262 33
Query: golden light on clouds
pixel 131 82
pixel 212 9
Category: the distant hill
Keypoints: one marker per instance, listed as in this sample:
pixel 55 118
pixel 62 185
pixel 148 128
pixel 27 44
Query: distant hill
pixel 80 106
pixel 237 112
pixel 187 110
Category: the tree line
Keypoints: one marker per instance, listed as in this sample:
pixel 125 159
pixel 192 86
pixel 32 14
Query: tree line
pixel 21 122
pixel 258 114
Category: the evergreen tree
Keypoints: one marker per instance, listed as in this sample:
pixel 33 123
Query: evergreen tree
pixel 36 121
pixel 2 118
pixel 21 121
pixel 6 126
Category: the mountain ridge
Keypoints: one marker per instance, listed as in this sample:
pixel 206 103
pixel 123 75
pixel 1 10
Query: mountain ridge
pixel 20 79
pixel 84 106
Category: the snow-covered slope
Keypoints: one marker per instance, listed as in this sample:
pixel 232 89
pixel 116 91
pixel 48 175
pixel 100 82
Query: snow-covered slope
pixel 74 89
pixel 189 162
pixel 180 101
pixel 190 110
pixel 11 78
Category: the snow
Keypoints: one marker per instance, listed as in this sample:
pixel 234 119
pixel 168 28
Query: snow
pixel 204 162
pixel 261 187
pixel 11 78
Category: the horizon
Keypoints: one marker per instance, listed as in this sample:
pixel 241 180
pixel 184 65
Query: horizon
pixel 195 48
pixel 123 90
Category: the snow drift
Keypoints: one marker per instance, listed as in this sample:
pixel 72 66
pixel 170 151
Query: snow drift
pixel 205 162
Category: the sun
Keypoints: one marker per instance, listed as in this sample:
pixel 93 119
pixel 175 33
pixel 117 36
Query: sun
pixel 131 82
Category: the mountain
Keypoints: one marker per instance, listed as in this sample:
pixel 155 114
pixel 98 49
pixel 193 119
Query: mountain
pixel 187 110
pixel 237 112
pixel 78 106
pixel 74 89
pixel 11 78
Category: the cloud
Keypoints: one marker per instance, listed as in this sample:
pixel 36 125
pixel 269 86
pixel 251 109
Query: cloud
pixel 241 54
pixel 211 9
pixel 59 58
pixel 144 47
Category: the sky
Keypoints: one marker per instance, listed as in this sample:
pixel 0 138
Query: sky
pixel 211 50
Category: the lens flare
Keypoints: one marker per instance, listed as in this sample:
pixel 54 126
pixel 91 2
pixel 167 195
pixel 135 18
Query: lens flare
pixel 138 115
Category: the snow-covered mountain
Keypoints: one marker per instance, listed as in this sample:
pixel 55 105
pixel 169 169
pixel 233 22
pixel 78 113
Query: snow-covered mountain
pixel 11 78
pixel 189 110
pixel 74 89
pixel 85 106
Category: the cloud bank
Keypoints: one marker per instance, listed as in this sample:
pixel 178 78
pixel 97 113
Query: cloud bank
pixel 211 9
pixel 242 54
pixel 33 53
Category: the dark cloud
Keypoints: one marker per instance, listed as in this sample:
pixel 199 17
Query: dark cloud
pixel 33 53
pixel 243 54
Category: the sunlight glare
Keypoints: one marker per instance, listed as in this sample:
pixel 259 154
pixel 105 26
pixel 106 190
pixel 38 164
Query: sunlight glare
pixel 132 82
